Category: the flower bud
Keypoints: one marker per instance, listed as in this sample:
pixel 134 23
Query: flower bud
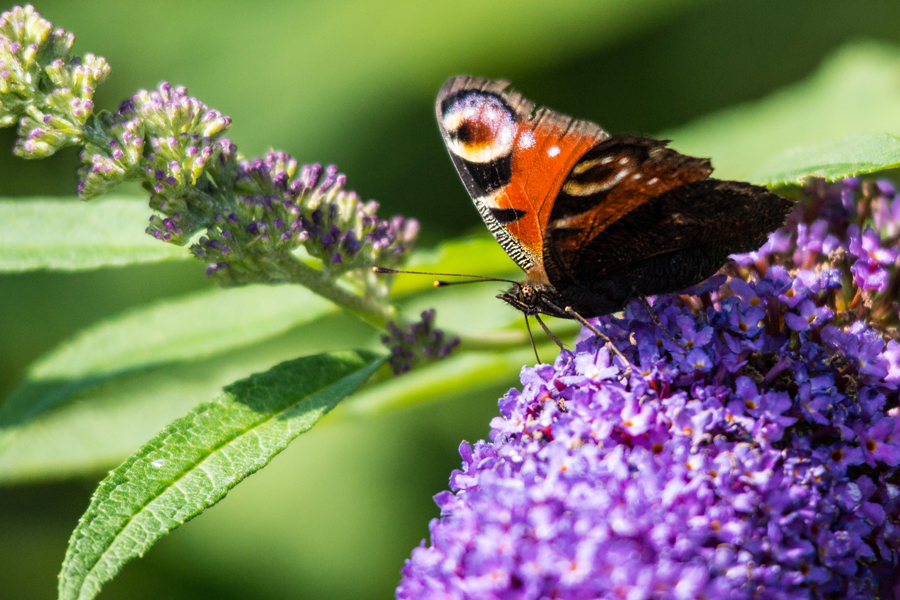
pixel 417 344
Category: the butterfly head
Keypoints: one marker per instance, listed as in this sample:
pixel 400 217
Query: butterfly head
pixel 534 298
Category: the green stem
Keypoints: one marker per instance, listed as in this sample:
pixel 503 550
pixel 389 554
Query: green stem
pixel 371 312
pixel 504 340
pixel 491 341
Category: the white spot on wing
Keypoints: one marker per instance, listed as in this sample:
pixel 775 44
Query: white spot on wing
pixel 526 140
pixel 554 151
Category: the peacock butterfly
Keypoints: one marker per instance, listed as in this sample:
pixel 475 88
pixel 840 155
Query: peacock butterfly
pixel 594 220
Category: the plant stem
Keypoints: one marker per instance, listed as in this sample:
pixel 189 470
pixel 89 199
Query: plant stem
pixel 368 310
pixel 504 340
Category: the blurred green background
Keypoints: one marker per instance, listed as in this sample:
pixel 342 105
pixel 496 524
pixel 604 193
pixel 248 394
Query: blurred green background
pixel 353 83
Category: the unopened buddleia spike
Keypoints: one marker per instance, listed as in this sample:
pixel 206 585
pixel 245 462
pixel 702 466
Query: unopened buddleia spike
pixel 45 91
pixel 416 344
pixel 274 214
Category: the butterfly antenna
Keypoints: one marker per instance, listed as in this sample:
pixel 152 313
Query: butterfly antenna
pixel 448 283
pixel 476 278
pixel 531 337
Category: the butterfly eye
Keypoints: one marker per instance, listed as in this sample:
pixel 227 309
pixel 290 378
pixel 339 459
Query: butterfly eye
pixel 528 295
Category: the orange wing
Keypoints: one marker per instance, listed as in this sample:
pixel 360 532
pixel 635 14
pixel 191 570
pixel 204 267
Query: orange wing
pixel 513 160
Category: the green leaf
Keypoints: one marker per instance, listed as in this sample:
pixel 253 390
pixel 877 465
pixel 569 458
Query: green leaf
pixel 71 235
pixel 854 92
pixel 847 157
pixel 187 328
pixel 91 401
pixel 193 463
pixel 99 427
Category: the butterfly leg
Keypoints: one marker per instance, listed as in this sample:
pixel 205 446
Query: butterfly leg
pixel 531 337
pixel 569 310
pixel 656 322
pixel 549 333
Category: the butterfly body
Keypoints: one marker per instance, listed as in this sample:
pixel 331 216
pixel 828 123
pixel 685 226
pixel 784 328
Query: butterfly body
pixel 593 219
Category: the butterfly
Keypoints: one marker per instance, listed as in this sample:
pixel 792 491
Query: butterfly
pixel 593 220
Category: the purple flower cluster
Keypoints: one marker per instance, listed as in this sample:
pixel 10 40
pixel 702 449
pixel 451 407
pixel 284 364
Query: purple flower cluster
pixel 49 93
pixel 417 344
pixel 182 135
pixel 850 230
pixel 757 459
pixel 275 213
pixel 256 213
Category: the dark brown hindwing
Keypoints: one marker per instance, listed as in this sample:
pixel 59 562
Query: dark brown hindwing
pixel 724 217
pixel 608 182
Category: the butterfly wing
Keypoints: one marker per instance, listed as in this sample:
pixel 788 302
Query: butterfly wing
pixel 512 159
pixel 631 202
pixel 608 182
